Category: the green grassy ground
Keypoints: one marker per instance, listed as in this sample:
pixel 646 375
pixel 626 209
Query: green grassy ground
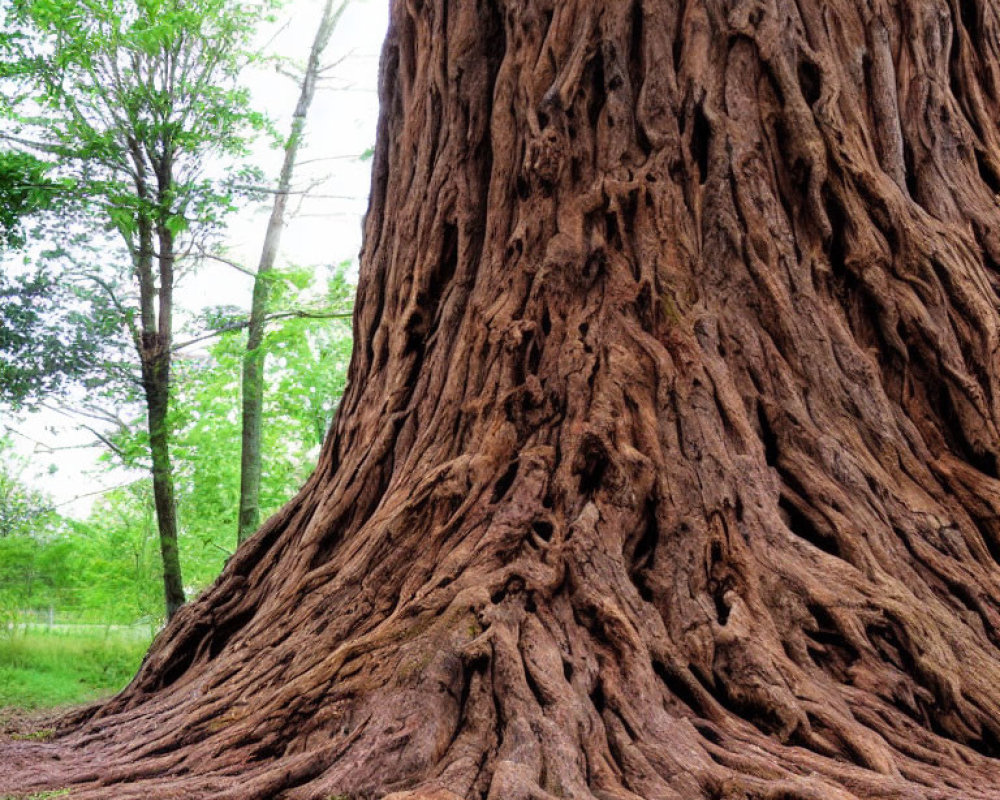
pixel 42 668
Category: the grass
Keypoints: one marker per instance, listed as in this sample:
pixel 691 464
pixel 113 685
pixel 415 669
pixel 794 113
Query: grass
pixel 35 736
pixel 48 668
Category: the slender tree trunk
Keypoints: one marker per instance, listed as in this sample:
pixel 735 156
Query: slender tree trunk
pixel 253 360
pixel 668 464
pixel 153 348
pixel 156 382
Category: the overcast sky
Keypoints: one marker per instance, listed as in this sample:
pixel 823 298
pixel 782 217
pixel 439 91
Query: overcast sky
pixel 325 231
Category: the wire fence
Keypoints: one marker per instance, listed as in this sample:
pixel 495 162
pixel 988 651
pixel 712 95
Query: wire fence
pixel 51 621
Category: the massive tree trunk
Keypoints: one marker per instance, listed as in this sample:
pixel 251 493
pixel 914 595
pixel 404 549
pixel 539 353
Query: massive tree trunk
pixel 668 467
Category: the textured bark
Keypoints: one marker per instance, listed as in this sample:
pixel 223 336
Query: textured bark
pixel 668 467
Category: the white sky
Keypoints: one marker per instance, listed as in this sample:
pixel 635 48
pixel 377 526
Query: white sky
pixel 325 231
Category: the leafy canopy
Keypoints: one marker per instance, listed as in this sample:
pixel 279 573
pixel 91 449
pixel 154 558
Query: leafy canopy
pixel 53 333
pixel 135 98
pixel 126 119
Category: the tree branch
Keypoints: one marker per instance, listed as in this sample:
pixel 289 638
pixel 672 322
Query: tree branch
pixel 238 267
pixel 245 323
pixel 99 491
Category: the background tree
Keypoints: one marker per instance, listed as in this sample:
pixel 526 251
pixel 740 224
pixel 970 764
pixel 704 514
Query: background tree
pixel 54 335
pixel 51 335
pixel 252 389
pixel 305 377
pixel 35 564
pixel 667 466
pixel 105 568
pixel 137 98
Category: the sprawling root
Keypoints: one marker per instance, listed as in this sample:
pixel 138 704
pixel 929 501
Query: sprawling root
pixel 669 462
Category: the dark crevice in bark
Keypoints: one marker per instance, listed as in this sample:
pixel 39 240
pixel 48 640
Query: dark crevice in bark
pixel 598 699
pixel 987 172
pixel 701 137
pixel 640 553
pixel 720 582
pixel 767 437
pixel 910 166
pixel 224 630
pixel 954 432
pixel 810 77
pixel 681 686
pixel 969 13
pixel 828 647
pixel 987 529
pixel 544 529
pixel 745 706
pixel 441 279
pixel 803 525
pixel 837 252
pixel 178 665
pixel 636 60
pixel 884 638
pixel 596 98
pixel 591 464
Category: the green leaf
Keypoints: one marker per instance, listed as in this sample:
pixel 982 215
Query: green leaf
pixel 176 224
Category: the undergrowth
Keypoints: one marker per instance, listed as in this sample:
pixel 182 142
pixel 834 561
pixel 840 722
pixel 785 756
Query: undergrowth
pixel 44 669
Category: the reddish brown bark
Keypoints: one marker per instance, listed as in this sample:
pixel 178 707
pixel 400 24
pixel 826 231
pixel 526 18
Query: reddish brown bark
pixel 668 464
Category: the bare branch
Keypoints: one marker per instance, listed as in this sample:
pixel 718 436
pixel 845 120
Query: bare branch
pixel 245 323
pixel 43 147
pixel 238 267
pixel 99 491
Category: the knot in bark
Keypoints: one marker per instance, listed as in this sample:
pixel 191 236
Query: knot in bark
pixel 544 158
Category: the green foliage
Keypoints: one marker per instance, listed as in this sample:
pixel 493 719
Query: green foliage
pixel 135 99
pixel 132 127
pixel 24 189
pixel 118 574
pixel 108 567
pixel 102 79
pixel 139 104
pixel 54 333
pixel 49 562
pixel 41 668
pixel 22 510
pixel 305 378
pixel 36 557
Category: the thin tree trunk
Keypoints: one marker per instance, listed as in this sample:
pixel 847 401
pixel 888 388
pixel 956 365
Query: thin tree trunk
pixel 156 381
pixel 255 356
pixel 668 463
pixel 154 351
pixel 152 338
